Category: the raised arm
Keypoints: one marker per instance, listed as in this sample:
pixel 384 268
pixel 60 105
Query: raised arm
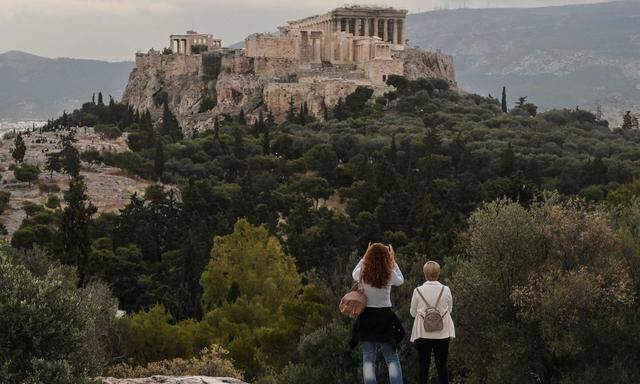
pixel 396 275
pixel 357 270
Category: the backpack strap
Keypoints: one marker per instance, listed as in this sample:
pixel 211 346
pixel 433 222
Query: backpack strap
pixel 439 296
pixel 423 299
pixel 427 303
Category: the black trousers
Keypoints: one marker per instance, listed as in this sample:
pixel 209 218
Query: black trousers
pixel 440 348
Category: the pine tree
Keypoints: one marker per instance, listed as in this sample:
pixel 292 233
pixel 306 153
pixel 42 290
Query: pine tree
pixel 504 100
pixel 70 158
pixel 53 163
pixel 19 149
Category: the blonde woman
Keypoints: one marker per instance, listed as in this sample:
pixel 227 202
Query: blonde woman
pixel 430 296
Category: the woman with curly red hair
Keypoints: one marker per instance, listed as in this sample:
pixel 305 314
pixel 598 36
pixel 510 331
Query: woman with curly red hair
pixel 378 326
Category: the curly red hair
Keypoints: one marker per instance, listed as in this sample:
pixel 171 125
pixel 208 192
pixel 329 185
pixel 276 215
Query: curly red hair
pixel 378 265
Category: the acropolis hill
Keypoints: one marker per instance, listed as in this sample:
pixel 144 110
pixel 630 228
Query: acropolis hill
pixel 316 60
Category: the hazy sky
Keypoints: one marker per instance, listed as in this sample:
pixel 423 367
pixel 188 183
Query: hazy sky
pixel 115 29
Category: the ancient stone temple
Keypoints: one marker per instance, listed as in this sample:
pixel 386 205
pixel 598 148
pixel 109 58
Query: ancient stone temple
pixel 362 36
pixel 316 61
pixel 193 42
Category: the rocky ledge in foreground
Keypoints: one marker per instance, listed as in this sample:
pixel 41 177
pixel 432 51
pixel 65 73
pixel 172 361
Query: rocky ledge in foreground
pixel 172 380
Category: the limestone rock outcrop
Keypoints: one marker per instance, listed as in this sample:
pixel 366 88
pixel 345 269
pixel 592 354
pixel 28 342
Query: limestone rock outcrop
pixel 202 88
pixel 172 380
pixel 419 63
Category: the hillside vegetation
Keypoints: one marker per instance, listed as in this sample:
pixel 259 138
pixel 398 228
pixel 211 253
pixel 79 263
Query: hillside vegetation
pixel 534 218
pixel 554 55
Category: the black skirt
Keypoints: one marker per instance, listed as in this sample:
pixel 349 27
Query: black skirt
pixel 379 325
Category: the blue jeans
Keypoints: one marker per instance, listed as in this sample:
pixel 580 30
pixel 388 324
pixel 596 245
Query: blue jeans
pixel 369 352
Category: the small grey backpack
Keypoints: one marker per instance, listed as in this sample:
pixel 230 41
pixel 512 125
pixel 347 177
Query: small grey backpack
pixel 432 319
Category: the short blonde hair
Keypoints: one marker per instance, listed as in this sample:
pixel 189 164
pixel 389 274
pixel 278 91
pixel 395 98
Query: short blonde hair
pixel 431 270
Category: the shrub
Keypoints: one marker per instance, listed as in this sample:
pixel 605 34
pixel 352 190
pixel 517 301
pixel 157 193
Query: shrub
pixel 212 361
pixel 27 173
pixel 4 200
pixel 51 327
pixel 45 187
pixel 108 131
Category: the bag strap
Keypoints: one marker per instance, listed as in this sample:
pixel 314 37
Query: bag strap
pixel 427 303
pixel 440 296
pixel 423 299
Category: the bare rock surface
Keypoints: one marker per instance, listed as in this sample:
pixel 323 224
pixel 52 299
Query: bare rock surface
pixel 173 380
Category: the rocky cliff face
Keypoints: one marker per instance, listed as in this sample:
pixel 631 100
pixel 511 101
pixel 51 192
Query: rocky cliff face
pixel 202 88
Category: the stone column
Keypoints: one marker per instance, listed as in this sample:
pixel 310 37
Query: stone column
pixel 401 32
pixel 366 26
pixel 385 32
pixel 376 23
pixel 395 32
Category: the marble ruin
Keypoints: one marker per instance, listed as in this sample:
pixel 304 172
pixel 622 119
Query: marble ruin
pixel 361 36
pixel 315 61
pixel 193 43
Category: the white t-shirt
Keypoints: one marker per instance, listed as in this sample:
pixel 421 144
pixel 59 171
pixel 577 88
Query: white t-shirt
pixel 379 297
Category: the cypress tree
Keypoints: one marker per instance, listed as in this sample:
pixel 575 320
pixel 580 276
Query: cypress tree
pixel 74 227
pixel 339 110
pixel 302 119
pixel 291 112
pixel 504 100
pixel 158 158
pixel 241 118
pixel 266 140
pixel 100 102
pixel 325 111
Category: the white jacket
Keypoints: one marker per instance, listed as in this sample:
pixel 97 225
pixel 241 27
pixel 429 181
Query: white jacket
pixel 430 290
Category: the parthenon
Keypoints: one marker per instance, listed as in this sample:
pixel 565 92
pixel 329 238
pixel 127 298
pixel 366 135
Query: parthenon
pixel 362 38
pixel 388 24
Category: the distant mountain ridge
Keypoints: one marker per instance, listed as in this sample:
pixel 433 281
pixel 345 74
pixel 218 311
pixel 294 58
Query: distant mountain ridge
pixel 34 87
pixel 557 56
